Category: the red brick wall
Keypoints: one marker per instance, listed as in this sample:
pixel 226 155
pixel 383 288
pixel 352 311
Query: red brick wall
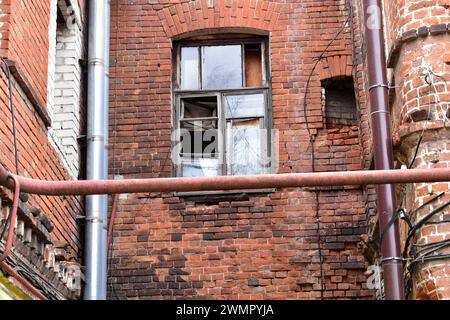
pixel 264 247
pixel 37 158
pixel 28 41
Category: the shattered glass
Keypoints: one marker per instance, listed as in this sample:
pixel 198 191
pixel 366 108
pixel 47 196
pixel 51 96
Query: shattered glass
pixel 245 153
pixel 244 105
pixel 200 168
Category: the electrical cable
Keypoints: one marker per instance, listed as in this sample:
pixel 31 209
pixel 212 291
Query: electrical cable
pixel 429 258
pixel 312 141
pixel 13 125
pixel 393 219
pixel 429 201
pixel 419 224
pixel 424 127
pixel 12 110
pixel 115 170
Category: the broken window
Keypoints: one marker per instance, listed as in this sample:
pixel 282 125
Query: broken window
pixel 222 109
pixel 340 103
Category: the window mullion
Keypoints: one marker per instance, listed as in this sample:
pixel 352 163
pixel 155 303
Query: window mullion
pixel 200 67
pixel 222 130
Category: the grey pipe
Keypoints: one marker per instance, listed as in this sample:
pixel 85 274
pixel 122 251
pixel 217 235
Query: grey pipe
pixel 97 153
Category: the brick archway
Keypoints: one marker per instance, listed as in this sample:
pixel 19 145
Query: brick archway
pixel 197 15
pixel 335 67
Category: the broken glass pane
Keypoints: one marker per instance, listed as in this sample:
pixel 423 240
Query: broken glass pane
pixel 199 138
pixel 244 106
pixel 189 72
pixel 246 155
pixel 199 107
pixel 222 67
pixel 200 168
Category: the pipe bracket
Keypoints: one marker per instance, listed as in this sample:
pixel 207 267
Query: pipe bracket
pixel 96 138
pixel 94 220
pixel 379 85
pixel 96 62
pixel 380 111
pixel 396 259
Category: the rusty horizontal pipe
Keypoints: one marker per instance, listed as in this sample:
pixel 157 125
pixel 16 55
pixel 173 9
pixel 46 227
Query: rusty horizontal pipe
pixel 86 187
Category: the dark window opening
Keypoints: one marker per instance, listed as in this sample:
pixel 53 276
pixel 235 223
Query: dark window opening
pixel 340 103
pixel 199 125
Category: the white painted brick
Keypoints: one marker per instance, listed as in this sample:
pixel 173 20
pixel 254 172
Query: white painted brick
pixel 64 88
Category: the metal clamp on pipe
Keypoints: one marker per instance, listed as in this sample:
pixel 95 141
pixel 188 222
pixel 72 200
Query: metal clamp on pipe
pixel 385 259
pixel 379 85
pixel 379 111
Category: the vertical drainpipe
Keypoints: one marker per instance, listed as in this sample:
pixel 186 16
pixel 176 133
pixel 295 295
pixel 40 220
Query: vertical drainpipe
pixel 97 153
pixel 382 145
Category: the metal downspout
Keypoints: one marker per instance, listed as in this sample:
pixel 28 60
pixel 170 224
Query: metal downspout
pixel 97 144
pixel 383 152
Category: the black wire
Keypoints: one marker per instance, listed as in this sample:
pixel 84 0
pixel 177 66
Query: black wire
pixel 414 211
pixel 429 258
pixel 422 245
pixel 393 219
pixel 12 109
pixel 432 247
pixel 416 152
pixel 110 247
pixel 13 124
pixel 311 142
pixel 419 224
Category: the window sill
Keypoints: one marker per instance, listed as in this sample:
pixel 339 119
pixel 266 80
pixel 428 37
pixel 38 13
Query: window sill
pixel 221 195
pixel 30 93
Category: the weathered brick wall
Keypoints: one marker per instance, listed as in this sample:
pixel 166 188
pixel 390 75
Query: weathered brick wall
pixel 28 41
pixel 264 246
pixel 420 37
pixel 28 48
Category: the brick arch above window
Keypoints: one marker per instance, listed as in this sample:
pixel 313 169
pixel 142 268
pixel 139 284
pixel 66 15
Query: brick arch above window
pixel 196 15
pixel 333 67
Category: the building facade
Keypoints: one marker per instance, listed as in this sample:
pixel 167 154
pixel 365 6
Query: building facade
pixel 236 87
pixel 42 43
pixel 240 245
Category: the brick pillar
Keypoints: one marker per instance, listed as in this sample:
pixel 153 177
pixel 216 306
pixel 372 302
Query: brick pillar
pixel 420 107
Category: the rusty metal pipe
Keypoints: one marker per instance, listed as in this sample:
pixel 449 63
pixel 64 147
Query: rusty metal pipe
pixel 13 273
pixel 10 238
pixel 383 151
pixel 12 221
pixel 112 218
pixel 292 180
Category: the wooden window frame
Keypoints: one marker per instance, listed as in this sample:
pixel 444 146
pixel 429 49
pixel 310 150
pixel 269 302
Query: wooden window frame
pixel 178 94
